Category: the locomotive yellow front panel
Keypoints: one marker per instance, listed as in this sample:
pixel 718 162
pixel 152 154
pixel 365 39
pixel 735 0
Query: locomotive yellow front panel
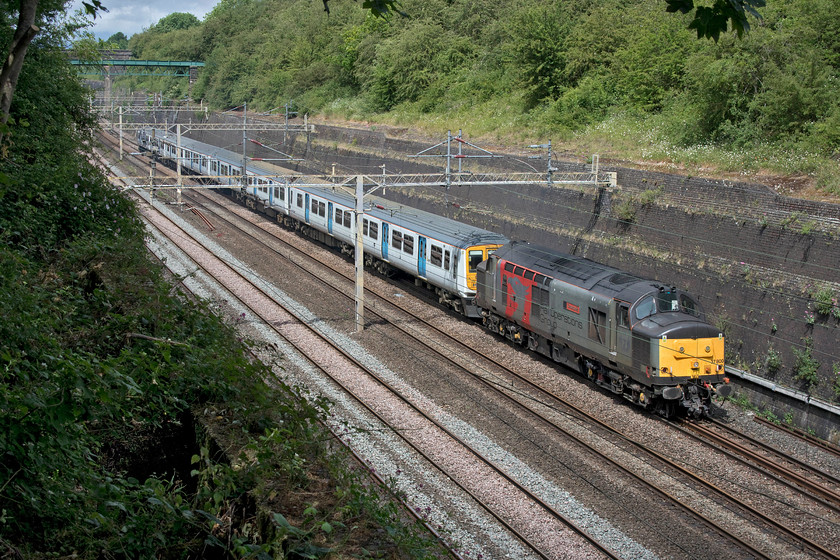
pixel 686 357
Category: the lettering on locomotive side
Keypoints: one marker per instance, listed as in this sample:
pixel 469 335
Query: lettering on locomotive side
pixel 557 318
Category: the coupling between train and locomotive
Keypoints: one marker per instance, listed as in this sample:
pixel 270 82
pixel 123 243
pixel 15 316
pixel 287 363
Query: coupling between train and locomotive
pixel 646 341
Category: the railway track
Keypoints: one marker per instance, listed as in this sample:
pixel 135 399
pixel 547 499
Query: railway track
pixel 438 445
pixel 467 356
pixel 804 436
pixel 797 474
pixel 551 401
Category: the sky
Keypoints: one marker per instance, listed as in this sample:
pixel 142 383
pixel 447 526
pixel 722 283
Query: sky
pixel 132 16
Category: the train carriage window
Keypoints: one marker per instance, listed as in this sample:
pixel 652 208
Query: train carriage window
pixel 313 206
pixel 322 209
pixel 374 231
pixel 476 256
pixel 529 274
pixel 598 325
pixel 519 270
pixel 408 244
pixel 365 226
pixel 339 216
pixel 446 257
pixel 436 255
pixel 348 218
pixel 668 302
pixel 214 167
pixel 279 193
pixel 300 200
pixel 508 267
pixel 396 240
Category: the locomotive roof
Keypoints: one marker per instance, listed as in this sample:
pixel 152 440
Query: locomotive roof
pixel 424 223
pixel 579 271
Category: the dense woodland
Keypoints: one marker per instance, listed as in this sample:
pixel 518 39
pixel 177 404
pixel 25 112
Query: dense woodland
pixel 627 78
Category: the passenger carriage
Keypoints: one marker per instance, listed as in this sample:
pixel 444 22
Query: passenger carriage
pixel 438 252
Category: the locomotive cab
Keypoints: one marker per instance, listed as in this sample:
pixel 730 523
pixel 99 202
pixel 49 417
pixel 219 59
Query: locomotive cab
pixel 678 349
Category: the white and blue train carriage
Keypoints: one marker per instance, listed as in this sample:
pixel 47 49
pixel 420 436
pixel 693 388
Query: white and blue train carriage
pixel 439 253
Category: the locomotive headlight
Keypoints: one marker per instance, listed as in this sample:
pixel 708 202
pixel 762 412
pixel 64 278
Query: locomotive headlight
pixel 695 365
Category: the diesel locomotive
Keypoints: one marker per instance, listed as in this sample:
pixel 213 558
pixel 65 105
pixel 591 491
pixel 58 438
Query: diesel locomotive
pixel 641 339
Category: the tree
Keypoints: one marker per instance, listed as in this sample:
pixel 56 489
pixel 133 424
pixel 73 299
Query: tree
pixel 710 21
pixel 119 40
pixel 24 33
pixel 175 21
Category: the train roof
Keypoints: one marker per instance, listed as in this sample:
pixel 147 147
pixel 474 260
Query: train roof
pixel 223 154
pixel 579 271
pixel 424 223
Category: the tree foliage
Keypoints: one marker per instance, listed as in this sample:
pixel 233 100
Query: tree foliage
pixel 118 40
pixel 97 355
pixel 711 21
pixel 553 66
pixel 174 22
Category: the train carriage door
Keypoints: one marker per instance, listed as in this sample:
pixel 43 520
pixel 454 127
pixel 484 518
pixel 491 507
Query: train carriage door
pixel 329 217
pixel 620 337
pixel 421 256
pixel 385 240
pixel 306 208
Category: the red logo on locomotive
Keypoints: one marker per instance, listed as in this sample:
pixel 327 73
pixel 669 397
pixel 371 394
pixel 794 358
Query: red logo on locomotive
pixel 518 293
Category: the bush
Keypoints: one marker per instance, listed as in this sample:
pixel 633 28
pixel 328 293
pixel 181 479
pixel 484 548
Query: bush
pixel 825 302
pixel 806 366
pixel 773 361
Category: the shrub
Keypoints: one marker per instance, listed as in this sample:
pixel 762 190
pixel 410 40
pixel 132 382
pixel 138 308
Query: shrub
pixel 773 361
pixel 835 369
pixel 825 302
pixel 806 366
pixel 625 211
